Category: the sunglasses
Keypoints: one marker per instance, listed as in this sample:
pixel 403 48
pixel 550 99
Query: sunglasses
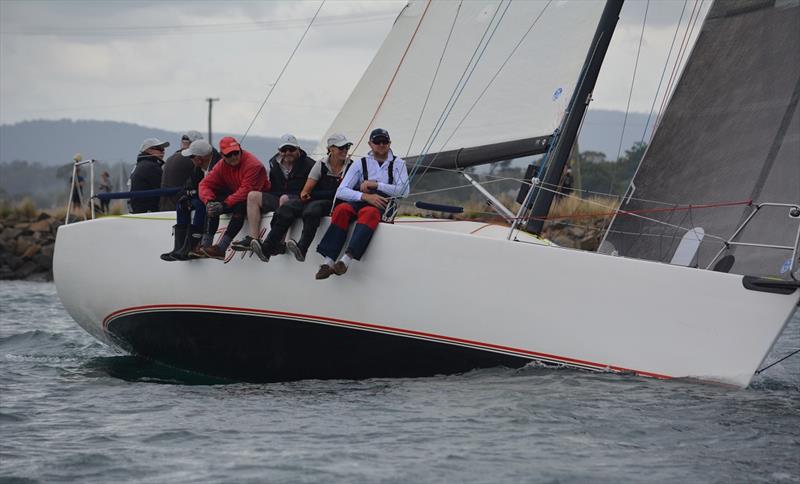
pixel 185 139
pixel 287 149
pixel 343 148
pixel 157 148
pixel 381 141
pixel 232 154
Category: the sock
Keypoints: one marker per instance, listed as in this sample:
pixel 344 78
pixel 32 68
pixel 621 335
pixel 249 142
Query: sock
pixel 346 259
pixel 328 262
pixel 224 242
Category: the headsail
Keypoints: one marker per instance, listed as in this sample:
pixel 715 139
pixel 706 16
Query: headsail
pixel 731 133
pixel 455 49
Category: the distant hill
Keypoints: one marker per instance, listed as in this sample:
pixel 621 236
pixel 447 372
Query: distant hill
pixel 56 142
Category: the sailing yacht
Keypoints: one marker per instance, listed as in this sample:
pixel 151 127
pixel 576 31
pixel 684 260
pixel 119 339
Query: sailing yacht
pixel 460 84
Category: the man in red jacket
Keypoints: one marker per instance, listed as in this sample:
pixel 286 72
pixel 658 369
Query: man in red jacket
pixel 225 189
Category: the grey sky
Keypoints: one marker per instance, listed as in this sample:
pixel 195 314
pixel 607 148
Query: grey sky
pixel 154 63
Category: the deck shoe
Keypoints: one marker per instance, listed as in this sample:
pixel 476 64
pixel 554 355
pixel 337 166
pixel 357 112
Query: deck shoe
pixel 295 250
pixel 242 244
pixel 259 249
pixel 324 272
pixel 339 268
pixel 197 253
pixel 214 252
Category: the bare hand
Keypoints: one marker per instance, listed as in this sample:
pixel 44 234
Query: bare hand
pixel 305 196
pixel 214 208
pixel 376 201
pixel 368 185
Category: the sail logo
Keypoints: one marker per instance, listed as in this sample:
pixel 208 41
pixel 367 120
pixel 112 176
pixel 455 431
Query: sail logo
pixel 557 94
pixel 786 266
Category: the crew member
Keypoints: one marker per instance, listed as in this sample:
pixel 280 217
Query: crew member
pixel 146 175
pixel 367 189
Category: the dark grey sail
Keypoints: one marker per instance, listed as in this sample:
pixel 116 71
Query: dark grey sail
pixel 731 133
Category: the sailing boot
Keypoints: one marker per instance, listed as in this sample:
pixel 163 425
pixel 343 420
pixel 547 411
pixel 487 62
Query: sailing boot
pixel 192 241
pixel 180 232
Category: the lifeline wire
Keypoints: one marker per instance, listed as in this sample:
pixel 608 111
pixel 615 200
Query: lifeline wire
pixel 275 84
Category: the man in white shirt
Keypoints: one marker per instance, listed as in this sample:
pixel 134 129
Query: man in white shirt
pixel 370 184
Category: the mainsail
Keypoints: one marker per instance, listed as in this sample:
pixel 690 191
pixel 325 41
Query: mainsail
pixel 471 75
pixel 734 116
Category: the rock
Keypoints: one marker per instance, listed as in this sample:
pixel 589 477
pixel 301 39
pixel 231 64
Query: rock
pixel 25 270
pixel 48 250
pixel 589 242
pixel 10 233
pixel 23 226
pixel 43 262
pixel 563 240
pixel 23 244
pixel 13 262
pixel 40 226
pixel 44 216
pixel 31 251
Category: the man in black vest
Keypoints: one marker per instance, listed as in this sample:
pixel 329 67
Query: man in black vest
pixel 368 187
pixel 146 175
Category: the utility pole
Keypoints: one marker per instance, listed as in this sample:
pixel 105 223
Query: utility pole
pixel 210 105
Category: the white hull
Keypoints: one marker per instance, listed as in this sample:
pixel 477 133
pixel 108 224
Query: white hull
pixel 434 283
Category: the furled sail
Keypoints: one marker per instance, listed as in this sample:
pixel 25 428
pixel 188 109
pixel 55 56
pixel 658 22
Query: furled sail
pixel 731 133
pixel 472 75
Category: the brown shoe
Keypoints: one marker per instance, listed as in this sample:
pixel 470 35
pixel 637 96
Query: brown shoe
pixel 214 252
pixel 197 253
pixel 324 271
pixel 339 268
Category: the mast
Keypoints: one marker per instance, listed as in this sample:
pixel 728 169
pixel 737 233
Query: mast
pixel 578 104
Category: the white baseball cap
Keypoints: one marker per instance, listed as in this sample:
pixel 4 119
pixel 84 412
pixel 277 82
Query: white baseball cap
pixel 198 147
pixel 288 140
pixel 338 139
pixel 152 143
pixel 192 135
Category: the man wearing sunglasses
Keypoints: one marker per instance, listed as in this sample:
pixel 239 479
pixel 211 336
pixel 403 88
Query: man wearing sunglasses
pixel 225 189
pixel 288 171
pixel 368 188
pixel 146 175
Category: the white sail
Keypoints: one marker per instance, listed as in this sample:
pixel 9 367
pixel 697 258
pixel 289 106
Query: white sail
pixel 526 96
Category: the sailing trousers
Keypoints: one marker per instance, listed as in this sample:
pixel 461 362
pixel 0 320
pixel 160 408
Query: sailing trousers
pixel 238 213
pixel 286 214
pixel 367 219
pixel 184 210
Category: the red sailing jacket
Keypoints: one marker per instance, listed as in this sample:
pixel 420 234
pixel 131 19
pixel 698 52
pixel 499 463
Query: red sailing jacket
pixel 249 175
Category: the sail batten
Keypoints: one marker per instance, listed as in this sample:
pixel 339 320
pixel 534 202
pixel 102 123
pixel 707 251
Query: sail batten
pixel 503 73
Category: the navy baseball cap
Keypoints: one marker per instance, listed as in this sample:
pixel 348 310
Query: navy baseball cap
pixel 379 133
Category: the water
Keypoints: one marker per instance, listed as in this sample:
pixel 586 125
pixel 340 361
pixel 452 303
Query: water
pixel 71 409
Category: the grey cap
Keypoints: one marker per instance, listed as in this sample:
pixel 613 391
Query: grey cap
pixel 151 143
pixel 198 147
pixel 192 135
pixel 288 140
pixel 338 140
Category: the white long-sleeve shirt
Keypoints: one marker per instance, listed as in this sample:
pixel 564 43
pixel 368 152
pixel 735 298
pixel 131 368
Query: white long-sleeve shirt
pixel 349 188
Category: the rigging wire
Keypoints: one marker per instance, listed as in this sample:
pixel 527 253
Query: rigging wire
pixel 459 89
pixel 775 363
pixel 630 96
pixel 435 76
pixel 394 76
pixel 488 85
pixel 275 84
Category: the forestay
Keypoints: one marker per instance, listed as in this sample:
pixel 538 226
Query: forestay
pixel 525 100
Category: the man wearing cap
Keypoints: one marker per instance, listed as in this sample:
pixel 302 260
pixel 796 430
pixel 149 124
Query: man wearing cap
pixel 315 202
pixel 187 230
pixel 225 189
pixel 367 189
pixel 146 175
pixel 178 169
pixel 288 171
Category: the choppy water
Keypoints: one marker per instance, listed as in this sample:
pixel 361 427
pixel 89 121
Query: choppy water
pixel 73 410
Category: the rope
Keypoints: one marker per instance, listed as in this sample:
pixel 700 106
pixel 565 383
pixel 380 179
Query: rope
pixel 775 363
pixel 275 84
pixel 394 76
